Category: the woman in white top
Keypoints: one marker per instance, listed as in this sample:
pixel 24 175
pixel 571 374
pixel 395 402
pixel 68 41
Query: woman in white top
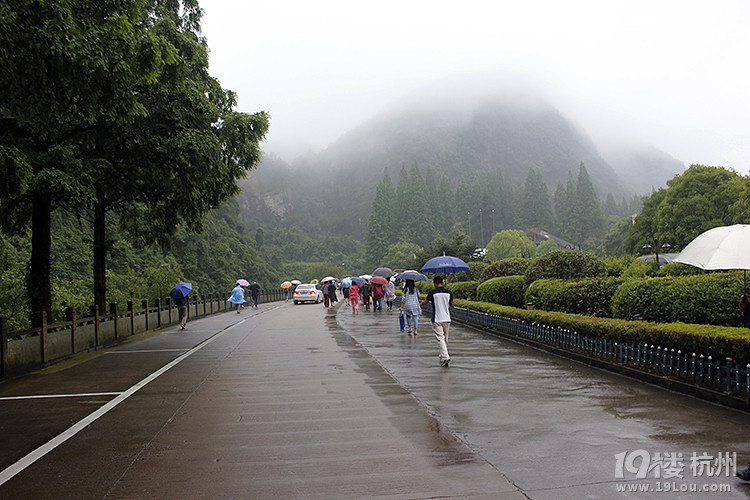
pixel 410 305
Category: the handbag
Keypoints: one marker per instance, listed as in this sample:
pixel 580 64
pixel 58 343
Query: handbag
pixel 401 320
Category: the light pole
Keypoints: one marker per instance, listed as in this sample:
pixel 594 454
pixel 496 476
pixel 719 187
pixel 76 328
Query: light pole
pixel 481 228
pixel 647 248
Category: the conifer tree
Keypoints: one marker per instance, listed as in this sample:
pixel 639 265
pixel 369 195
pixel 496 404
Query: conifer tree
pixel 445 198
pixel 535 205
pixel 588 216
pixel 380 225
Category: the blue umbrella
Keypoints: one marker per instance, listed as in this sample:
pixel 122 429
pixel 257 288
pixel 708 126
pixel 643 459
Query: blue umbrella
pixel 180 290
pixel 444 264
pixel 346 282
pixel 358 280
pixel 412 275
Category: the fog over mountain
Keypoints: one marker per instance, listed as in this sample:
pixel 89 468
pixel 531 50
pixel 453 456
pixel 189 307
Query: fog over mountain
pixel 463 137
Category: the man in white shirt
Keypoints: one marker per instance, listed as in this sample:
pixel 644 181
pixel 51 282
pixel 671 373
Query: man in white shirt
pixel 442 300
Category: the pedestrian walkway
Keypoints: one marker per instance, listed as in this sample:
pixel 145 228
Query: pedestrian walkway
pixel 277 402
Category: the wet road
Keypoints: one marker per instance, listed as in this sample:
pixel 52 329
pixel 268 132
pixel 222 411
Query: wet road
pixel 553 426
pixel 299 402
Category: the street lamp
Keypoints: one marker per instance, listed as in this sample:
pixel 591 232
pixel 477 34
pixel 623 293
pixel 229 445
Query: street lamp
pixel 665 247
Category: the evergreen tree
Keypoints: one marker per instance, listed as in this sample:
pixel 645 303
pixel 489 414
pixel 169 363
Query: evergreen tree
pixel 418 226
pixel 445 198
pixel 588 224
pixel 535 204
pixel 463 206
pixel 380 223
pixel 564 201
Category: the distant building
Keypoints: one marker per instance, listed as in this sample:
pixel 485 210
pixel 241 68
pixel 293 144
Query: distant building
pixel 540 235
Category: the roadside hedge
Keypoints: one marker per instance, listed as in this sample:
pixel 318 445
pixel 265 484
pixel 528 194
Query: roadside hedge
pixel 709 340
pixel 702 299
pixel 505 290
pixel 566 265
pixel 463 289
pixel 590 296
pixel 513 266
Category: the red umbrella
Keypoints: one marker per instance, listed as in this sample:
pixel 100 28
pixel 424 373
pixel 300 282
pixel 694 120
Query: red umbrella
pixel 378 280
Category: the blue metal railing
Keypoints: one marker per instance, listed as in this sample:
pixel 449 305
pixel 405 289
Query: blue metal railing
pixel 725 376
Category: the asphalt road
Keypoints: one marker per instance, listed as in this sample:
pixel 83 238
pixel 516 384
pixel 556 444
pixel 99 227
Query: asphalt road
pixel 298 401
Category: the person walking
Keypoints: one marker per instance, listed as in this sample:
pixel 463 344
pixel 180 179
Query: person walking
pixel 377 296
pixel 442 300
pixel 182 307
pixel 366 292
pixel 354 297
pixel 410 306
pixel 238 297
pixel 255 293
pixel 332 294
pixel 390 294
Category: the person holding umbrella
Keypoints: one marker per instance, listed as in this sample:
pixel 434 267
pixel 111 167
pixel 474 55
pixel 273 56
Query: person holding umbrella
pixel 179 293
pixel 354 296
pixel 442 301
pixel 390 293
pixel 410 306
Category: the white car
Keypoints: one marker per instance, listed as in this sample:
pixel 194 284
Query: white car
pixel 307 292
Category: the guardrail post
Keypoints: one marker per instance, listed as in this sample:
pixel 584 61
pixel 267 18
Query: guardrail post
pixel 70 315
pixel 144 306
pixel 40 321
pixel 168 302
pixel 3 344
pixel 115 319
pixel 95 314
pixel 157 305
pixel 131 310
pixel 203 299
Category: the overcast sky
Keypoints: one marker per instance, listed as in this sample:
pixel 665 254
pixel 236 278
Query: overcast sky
pixel 671 73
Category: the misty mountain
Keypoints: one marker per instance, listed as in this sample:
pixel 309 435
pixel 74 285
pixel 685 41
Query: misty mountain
pixel 331 192
pixel 643 169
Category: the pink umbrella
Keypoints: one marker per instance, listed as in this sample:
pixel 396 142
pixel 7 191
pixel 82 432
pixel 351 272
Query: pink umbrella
pixel 378 280
pixel 242 282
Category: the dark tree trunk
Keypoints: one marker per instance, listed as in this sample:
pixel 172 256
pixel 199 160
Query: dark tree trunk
pixel 100 257
pixel 38 279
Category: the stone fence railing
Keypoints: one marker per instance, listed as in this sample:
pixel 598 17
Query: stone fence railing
pixel 44 344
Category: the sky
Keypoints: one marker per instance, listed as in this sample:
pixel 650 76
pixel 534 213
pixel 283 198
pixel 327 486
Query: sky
pixel 673 74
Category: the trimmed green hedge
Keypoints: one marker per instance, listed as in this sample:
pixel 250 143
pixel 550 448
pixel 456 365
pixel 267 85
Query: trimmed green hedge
pixel 590 296
pixel 703 299
pixel 463 289
pixel 709 340
pixel 566 265
pixel 506 290
pixel 513 266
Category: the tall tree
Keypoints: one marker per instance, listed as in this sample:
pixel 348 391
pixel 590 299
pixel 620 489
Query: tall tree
pixel 380 223
pixel 697 200
pixel 588 228
pixel 417 226
pixel 66 66
pixel 444 197
pixel 535 206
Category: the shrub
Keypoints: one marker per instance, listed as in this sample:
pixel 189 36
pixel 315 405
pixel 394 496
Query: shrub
pixel 505 290
pixel 507 267
pixel 565 264
pixel 702 299
pixel 590 296
pixel 716 341
pixel 463 289
pixel 474 272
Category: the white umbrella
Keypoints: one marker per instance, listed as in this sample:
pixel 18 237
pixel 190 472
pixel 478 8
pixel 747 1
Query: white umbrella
pixel 720 248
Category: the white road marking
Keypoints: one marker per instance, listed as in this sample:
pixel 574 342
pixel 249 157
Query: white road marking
pixel 53 396
pixel 53 443
pixel 146 350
